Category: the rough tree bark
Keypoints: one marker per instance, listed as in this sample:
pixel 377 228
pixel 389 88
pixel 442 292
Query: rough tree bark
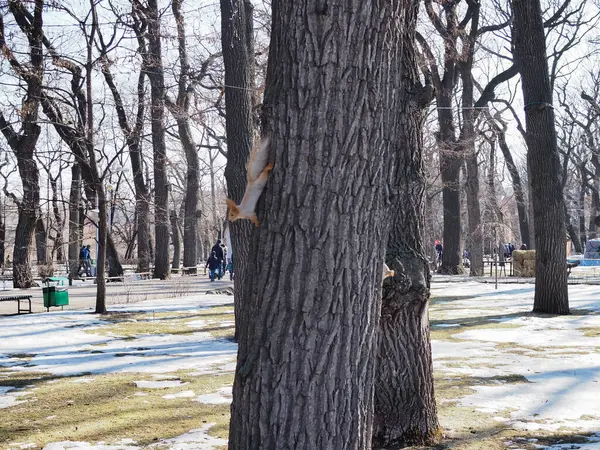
pixel 23 143
pixel 405 409
pixel 155 73
pixel 41 240
pixel 306 360
pixel 551 295
pixel 236 40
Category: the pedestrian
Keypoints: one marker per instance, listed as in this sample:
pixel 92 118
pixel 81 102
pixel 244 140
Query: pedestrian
pixel 439 250
pixel 523 247
pixel 81 260
pixel 225 260
pixel 213 265
pixel 87 257
pixel 218 251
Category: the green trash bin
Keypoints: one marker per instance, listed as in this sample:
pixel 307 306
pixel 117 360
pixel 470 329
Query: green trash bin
pixel 55 292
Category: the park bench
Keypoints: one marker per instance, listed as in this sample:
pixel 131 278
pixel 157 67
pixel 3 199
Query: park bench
pixel 18 298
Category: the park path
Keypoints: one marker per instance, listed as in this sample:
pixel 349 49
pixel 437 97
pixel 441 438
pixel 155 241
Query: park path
pixel 83 294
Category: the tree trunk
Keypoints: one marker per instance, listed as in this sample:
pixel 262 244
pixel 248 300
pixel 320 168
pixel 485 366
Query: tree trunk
pixel 190 223
pixel 23 143
pixel 74 201
pixel 2 238
pixel 450 162
pixel 306 360
pixel 551 295
pixel 157 91
pixel 572 232
pixel 405 409
pixel 530 208
pixel 582 231
pixel 41 241
pixel 474 211
pixel 238 57
pixel 115 269
pixel 520 198
pixel 58 238
pixel 101 257
pixel 176 243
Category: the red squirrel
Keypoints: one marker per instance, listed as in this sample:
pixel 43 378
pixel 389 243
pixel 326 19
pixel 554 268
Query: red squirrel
pixel 258 173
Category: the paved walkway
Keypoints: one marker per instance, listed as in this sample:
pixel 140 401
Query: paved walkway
pixel 83 295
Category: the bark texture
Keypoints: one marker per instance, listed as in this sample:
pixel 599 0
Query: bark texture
pixel 306 360
pixel 156 76
pixel 551 295
pixel 236 39
pixel 41 240
pixel 405 409
pixel 23 143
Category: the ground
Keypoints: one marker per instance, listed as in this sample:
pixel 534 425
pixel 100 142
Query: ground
pixel 157 374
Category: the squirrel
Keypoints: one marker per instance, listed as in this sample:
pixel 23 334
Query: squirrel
pixel 257 175
pixel 387 272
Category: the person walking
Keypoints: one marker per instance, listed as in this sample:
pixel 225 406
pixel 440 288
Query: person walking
pixel 213 265
pixel 87 259
pixel 217 250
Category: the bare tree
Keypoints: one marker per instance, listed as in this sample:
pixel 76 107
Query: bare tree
pixel 551 295
pixel 452 149
pixel 132 134
pixel 316 260
pixel 152 60
pixel 405 409
pixel 180 109
pixel 23 143
pixel 238 56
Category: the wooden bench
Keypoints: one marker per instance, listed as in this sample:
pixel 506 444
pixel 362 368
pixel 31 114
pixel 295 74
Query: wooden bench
pixel 18 298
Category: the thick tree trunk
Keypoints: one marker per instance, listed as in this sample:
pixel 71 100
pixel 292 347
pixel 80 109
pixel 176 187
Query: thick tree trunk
pixel 28 208
pixel 306 360
pixel 157 83
pixel 176 243
pixel 41 241
pixel 190 223
pixel 23 143
pixel 405 409
pixel 450 162
pixel 74 201
pixel 238 57
pixel 520 198
pixel 551 295
pixel 474 212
